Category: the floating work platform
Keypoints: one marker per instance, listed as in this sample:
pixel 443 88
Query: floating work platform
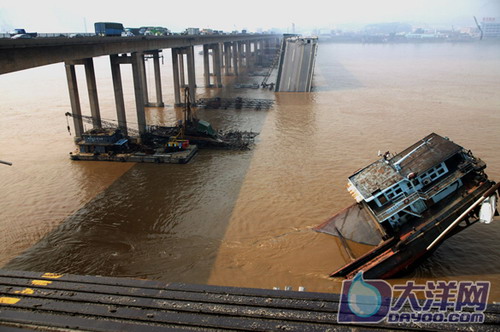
pixel 54 302
pixel 178 157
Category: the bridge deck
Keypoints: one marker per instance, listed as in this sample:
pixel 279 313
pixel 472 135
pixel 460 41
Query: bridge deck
pixel 30 300
pixel 20 54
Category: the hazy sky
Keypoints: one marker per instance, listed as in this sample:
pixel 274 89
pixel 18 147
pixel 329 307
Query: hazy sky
pixel 75 16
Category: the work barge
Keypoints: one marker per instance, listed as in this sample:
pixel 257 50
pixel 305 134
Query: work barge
pixel 175 144
pixel 109 144
pixel 409 203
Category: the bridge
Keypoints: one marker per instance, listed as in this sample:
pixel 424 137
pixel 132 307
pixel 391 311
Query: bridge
pixel 54 302
pixel 230 52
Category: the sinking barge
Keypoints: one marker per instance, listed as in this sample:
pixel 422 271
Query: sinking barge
pixel 409 203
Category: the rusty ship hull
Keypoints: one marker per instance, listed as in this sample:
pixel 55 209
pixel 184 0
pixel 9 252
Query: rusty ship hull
pixel 408 204
pixel 398 255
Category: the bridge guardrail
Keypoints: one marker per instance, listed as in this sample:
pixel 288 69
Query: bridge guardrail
pixel 52 35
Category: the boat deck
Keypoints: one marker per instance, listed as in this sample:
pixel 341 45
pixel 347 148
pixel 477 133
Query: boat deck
pixel 47 301
pixel 180 157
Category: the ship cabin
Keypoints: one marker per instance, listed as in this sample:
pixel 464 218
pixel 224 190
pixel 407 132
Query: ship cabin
pixel 399 189
pixel 103 140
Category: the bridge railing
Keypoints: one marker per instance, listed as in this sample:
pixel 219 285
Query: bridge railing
pixel 55 34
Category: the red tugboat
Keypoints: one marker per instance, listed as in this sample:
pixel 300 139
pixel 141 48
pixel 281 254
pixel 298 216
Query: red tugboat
pixel 409 203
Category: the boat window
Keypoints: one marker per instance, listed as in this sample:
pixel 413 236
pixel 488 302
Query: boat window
pixel 394 192
pixel 434 172
pixel 382 199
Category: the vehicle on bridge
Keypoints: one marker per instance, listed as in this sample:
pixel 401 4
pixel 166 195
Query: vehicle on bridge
pixel 21 34
pixel 154 31
pixel 192 31
pixel 130 32
pixel 108 29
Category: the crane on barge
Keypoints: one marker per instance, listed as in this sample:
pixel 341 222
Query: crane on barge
pixel 189 128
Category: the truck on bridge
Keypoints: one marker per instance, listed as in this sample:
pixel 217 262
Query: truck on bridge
pixel 108 29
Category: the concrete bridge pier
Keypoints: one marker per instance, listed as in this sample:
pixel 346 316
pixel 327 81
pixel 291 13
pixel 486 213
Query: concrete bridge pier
pixel 75 97
pixel 74 100
pixel 182 72
pixel 254 52
pixel 258 52
pixel 227 58
pixel 277 43
pixel 240 53
pixel 215 48
pixel 143 78
pixel 217 58
pixel 137 60
pixel 191 74
pixel 92 89
pixel 155 54
pixel 235 58
pixel 175 69
pixel 248 53
pixel 179 74
pixel 116 60
pixel 206 64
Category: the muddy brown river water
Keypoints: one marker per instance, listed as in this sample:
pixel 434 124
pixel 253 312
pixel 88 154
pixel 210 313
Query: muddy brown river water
pixel 243 218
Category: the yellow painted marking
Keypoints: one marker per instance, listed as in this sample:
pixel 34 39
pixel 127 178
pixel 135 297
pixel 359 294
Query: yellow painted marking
pixel 41 282
pixel 27 291
pixel 9 300
pixel 52 275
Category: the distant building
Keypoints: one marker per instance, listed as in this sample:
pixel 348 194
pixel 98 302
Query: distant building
pixel 490 27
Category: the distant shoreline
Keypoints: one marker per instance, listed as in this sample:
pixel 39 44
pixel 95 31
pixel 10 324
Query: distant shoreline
pixel 407 41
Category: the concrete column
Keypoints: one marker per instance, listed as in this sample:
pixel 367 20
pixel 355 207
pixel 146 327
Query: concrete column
pixel 118 89
pixel 191 74
pixel 92 88
pixel 217 65
pixel 248 53
pixel 239 50
pixel 227 58
pixel 175 69
pixel 144 80
pixel 212 48
pixel 223 55
pixel 235 58
pixel 137 72
pixel 259 51
pixel 181 68
pixel 256 51
pixel 159 97
pixel 206 64
pixel 74 99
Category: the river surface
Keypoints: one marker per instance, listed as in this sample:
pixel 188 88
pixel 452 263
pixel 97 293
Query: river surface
pixel 243 218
